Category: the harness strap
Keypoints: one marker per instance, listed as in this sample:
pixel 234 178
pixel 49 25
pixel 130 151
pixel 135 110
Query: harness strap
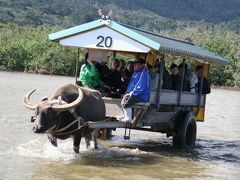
pixel 73 112
pixel 79 119
pixel 64 133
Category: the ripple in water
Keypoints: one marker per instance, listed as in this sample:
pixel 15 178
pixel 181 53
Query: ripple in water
pixel 227 151
pixel 39 148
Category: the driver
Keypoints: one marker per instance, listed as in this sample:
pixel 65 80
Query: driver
pixel 138 89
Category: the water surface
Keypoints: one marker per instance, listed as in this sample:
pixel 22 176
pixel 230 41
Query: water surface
pixel 25 155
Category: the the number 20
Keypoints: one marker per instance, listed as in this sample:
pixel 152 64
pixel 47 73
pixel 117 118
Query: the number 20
pixel 104 42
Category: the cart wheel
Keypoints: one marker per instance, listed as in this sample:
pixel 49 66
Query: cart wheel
pixel 185 131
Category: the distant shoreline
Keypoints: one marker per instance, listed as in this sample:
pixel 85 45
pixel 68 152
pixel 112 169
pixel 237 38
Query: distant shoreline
pixel 36 73
pixel 231 88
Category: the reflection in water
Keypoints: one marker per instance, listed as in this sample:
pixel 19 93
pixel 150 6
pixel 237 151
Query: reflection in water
pixel 26 155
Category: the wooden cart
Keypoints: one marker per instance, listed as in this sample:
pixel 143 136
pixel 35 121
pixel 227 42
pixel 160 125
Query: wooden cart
pixel 172 112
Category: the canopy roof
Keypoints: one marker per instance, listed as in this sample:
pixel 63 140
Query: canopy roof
pixel 152 41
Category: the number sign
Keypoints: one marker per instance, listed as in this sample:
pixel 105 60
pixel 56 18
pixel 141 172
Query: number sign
pixel 104 38
pixel 104 42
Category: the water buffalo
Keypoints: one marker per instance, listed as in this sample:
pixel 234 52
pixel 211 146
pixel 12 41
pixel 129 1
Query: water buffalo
pixel 67 113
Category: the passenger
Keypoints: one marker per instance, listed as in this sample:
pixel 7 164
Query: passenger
pixel 138 89
pixel 115 81
pixel 186 78
pixel 89 76
pixel 174 76
pixel 157 65
pixel 103 71
pixel 126 76
pixel 121 66
pixel 206 89
pixel 174 69
pixel 193 82
pixel 166 82
pixel 154 74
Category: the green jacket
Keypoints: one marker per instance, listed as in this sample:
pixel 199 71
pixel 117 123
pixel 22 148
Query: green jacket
pixel 89 77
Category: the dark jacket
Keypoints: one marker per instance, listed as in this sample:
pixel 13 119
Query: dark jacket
pixel 206 89
pixel 115 81
pixel 174 82
pixel 103 72
pixel 126 76
pixel 167 83
pixel 177 84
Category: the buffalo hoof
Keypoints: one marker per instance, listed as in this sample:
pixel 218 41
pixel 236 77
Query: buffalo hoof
pixel 76 149
pixel 53 142
pixel 87 144
pixel 52 139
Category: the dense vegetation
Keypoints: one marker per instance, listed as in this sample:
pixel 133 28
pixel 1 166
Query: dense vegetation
pixel 26 24
pixel 28 49
pixel 158 14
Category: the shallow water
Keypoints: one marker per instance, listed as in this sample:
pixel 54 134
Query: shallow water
pixel 25 155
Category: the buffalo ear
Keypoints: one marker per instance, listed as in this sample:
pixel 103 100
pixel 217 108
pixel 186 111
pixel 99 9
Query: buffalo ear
pixel 100 12
pixel 110 13
pixel 60 101
pixel 44 98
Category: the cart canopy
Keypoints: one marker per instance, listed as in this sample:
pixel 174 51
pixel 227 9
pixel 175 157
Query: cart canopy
pixel 120 37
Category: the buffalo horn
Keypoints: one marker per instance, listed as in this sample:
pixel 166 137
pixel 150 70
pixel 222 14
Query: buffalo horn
pixel 26 101
pixel 65 107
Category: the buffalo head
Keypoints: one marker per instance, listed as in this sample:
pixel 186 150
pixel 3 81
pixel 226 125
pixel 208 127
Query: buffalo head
pixel 47 112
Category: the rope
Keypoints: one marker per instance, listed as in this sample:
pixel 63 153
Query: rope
pixel 60 131
pixel 134 88
pixel 66 127
pixel 72 130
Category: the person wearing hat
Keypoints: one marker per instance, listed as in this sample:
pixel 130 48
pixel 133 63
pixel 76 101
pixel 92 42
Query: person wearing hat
pixel 138 89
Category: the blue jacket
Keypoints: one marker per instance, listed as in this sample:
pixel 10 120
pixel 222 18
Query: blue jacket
pixel 139 85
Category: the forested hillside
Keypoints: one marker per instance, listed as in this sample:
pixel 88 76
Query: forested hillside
pixel 25 24
pixel 171 14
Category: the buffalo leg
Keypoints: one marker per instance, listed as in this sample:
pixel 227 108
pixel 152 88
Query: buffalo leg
pixel 76 144
pixel 87 140
pixel 94 138
pixel 52 139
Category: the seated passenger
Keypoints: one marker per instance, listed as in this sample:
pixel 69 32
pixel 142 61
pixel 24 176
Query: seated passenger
pixel 154 74
pixel 126 76
pixel 138 89
pixel 186 79
pixel 89 76
pixel 193 82
pixel 121 66
pixel 206 89
pixel 174 76
pixel 103 71
pixel 115 82
pixel 166 81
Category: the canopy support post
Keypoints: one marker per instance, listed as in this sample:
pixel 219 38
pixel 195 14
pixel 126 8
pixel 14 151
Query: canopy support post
pixel 158 96
pixel 77 61
pixel 200 90
pixel 182 81
pixel 114 54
